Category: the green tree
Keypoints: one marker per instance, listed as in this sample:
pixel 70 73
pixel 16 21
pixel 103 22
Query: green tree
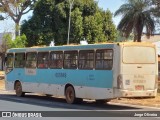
pixel 76 26
pixel 89 26
pixel 16 9
pixel 50 21
pixel 100 27
pixel 109 27
pixel 136 16
pixel 19 42
pixel 38 29
pixel 93 27
pixel 7 42
pixel 155 7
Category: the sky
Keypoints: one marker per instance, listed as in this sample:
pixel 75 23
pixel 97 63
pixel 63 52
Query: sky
pixel 112 5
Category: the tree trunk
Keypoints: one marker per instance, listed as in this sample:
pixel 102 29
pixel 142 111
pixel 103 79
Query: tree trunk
pixel 135 38
pixel 2 57
pixel 139 38
pixel 139 35
pixel 3 61
pixel 139 29
pixel 17 28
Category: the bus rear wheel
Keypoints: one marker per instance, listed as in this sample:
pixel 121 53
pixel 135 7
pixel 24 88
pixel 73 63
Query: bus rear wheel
pixel 70 95
pixel 18 89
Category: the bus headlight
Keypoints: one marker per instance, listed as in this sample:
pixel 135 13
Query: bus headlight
pixel 119 82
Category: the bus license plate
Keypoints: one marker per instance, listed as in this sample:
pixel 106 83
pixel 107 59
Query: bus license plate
pixel 139 87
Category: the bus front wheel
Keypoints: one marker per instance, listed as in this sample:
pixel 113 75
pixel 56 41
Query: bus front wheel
pixel 70 95
pixel 18 89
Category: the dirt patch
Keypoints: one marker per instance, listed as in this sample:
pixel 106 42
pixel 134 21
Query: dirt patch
pixel 1 75
pixel 152 102
pixel 2 85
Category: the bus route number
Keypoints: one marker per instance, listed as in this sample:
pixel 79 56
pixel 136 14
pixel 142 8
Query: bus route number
pixel 60 75
pixel 91 77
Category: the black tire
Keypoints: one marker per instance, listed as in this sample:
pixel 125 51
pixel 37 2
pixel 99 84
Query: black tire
pixel 48 95
pixel 18 90
pixel 79 100
pixel 102 101
pixel 70 95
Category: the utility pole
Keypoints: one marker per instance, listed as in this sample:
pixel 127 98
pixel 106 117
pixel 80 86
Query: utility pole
pixel 69 24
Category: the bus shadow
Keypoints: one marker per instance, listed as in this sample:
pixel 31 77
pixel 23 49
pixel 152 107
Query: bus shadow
pixel 52 102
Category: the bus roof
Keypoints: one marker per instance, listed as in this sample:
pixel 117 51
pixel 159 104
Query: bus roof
pixel 136 43
pixel 79 47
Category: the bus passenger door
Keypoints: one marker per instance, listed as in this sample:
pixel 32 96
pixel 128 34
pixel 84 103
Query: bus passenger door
pixel 30 80
pixel 31 72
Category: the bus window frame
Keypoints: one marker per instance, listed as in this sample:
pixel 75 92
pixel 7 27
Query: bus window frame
pixel 24 64
pixel 104 59
pixel 31 60
pixel 68 52
pixel 86 59
pixel 44 64
pixel 61 60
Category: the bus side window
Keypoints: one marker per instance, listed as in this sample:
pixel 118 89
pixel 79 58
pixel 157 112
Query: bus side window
pixel 104 59
pixel 70 59
pixel 31 60
pixel 43 59
pixel 56 59
pixel 19 60
pixel 86 59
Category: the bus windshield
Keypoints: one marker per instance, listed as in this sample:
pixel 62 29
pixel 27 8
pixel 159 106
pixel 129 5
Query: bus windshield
pixel 139 55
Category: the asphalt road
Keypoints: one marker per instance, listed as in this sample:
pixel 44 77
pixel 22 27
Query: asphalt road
pixel 88 109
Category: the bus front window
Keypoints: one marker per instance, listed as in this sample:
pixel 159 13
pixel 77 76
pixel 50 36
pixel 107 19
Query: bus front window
pixel 139 55
pixel 9 62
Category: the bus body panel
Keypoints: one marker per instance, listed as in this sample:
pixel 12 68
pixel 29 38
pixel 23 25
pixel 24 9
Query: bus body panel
pixel 87 83
pixel 116 70
pixel 49 81
pixel 90 84
pixel 139 77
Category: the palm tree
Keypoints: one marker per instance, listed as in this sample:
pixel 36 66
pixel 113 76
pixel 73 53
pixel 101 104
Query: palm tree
pixel 156 8
pixel 136 16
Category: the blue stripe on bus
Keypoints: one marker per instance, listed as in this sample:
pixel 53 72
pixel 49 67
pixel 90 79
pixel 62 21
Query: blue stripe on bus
pixel 88 78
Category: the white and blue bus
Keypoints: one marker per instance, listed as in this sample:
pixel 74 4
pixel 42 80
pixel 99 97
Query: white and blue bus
pixel 97 71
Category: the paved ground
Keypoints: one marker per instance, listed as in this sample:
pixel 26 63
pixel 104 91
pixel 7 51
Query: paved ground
pixel 33 102
pixel 58 107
